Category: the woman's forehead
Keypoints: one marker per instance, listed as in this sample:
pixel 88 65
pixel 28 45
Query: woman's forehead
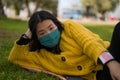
pixel 44 24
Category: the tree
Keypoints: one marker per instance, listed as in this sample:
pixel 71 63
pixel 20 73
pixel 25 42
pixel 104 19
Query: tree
pixel 101 6
pixel 50 5
pixel 1 9
pixel 14 4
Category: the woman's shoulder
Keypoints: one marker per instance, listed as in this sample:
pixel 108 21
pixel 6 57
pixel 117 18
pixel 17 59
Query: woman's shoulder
pixel 72 23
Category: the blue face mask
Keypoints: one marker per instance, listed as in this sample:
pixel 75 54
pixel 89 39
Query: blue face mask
pixel 50 40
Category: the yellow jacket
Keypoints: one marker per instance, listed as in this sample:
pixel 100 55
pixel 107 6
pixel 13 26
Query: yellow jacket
pixel 80 51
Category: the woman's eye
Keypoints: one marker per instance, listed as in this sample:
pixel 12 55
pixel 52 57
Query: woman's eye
pixel 41 33
pixel 51 28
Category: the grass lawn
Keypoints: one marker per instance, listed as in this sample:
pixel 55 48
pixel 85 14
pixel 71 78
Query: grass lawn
pixel 10 30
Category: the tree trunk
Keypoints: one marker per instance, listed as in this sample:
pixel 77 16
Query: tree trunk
pixel 28 9
pixel 1 9
pixel 17 11
pixel 88 8
pixel 37 2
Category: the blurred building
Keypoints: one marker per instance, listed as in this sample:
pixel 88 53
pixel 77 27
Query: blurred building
pixel 70 9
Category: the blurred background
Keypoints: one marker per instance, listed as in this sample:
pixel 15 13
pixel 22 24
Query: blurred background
pixel 105 10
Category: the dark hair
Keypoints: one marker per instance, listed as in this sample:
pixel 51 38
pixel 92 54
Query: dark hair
pixel 37 17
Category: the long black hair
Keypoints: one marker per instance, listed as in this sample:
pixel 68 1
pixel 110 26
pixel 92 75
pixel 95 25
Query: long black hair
pixel 37 17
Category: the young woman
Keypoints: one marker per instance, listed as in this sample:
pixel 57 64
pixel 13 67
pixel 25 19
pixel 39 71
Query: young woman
pixel 63 49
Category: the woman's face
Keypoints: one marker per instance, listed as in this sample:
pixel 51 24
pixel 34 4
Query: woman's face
pixel 45 27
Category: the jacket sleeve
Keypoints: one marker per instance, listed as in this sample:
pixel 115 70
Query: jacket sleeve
pixel 17 50
pixel 91 43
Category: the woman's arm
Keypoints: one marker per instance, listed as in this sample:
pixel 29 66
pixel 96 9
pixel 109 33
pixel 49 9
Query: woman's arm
pixel 92 45
pixel 114 68
pixel 114 49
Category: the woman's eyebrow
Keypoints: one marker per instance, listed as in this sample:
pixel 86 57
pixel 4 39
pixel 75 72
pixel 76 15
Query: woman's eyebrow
pixel 49 25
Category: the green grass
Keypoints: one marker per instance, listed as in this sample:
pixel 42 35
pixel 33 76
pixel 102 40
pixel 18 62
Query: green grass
pixel 10 30
pixel 103 30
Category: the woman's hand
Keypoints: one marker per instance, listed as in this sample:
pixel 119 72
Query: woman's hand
pixel 114 68
pixel 28 33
